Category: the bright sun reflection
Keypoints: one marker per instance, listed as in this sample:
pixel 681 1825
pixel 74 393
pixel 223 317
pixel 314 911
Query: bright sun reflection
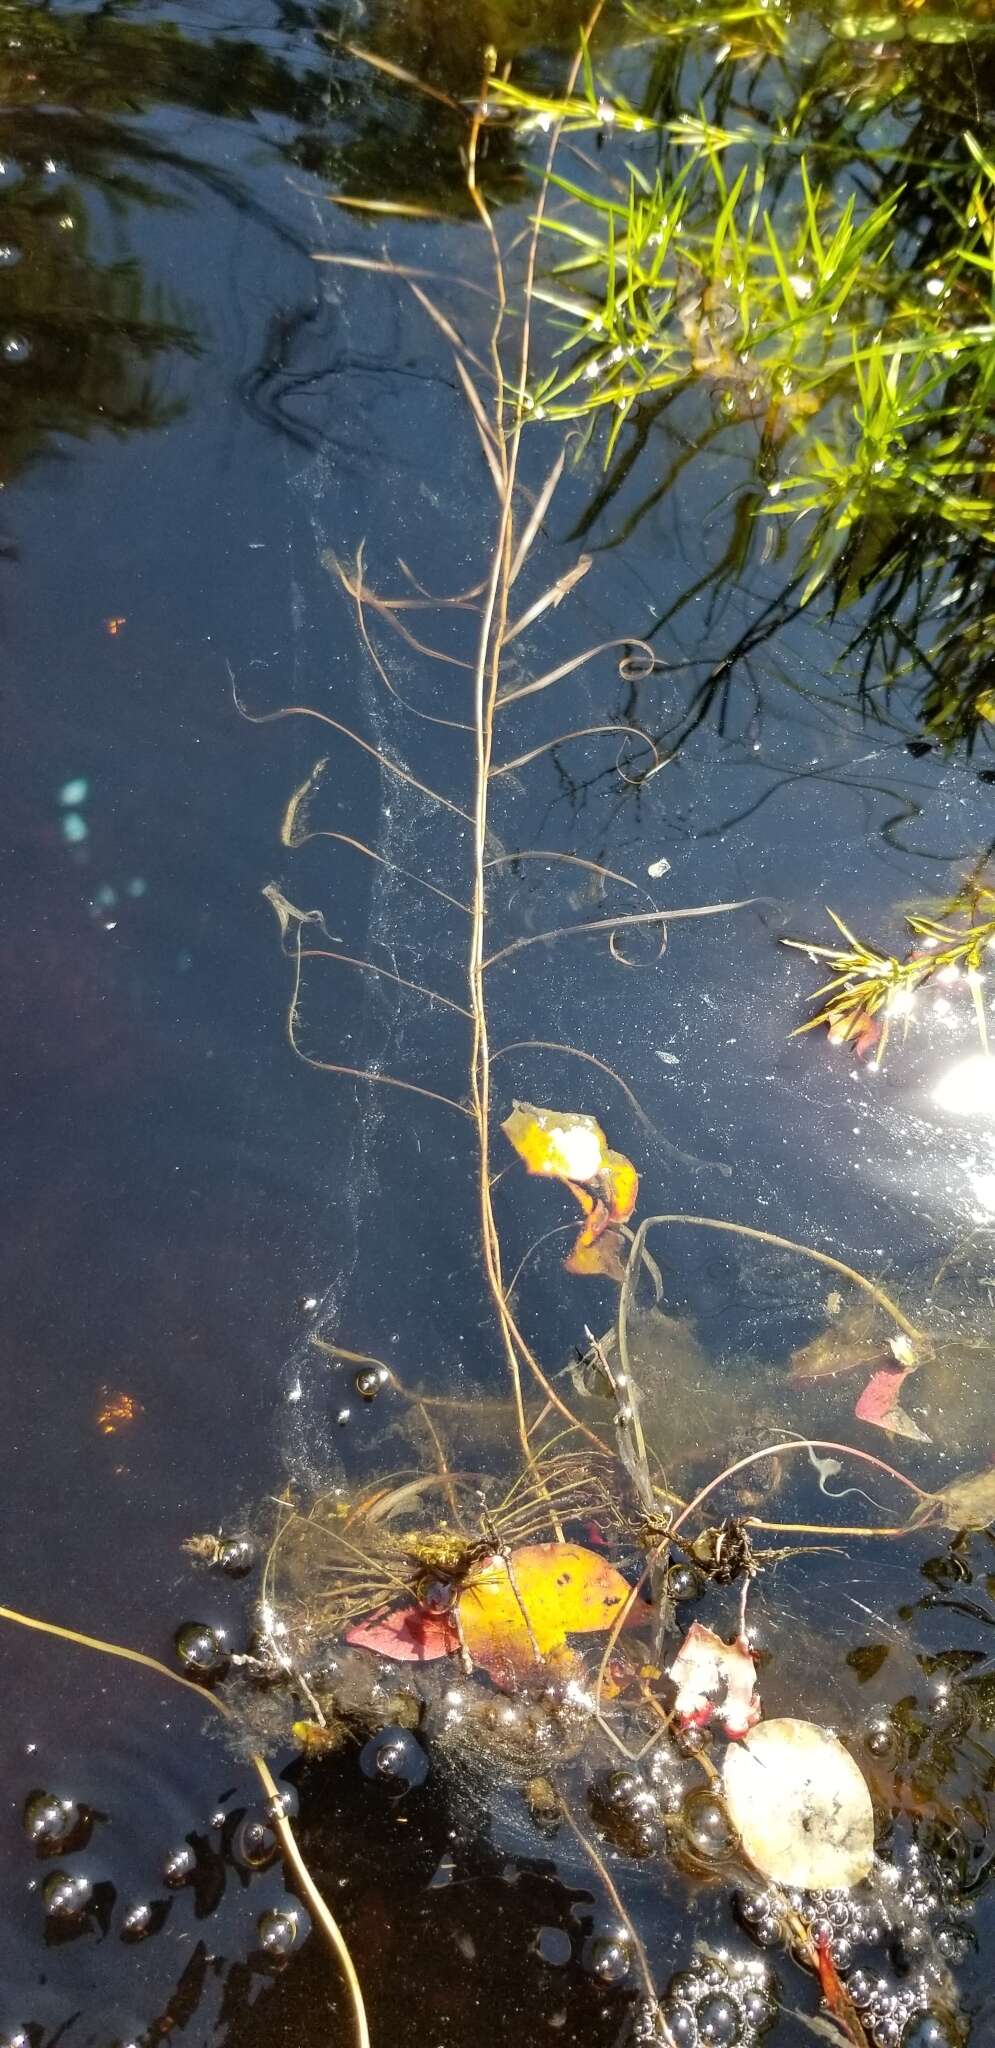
pixel 968 1089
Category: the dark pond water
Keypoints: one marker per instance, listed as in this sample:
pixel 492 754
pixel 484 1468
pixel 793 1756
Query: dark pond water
pixel 198 420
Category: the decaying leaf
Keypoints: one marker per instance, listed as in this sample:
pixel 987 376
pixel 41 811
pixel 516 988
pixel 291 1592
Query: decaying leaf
pixel 847 1344
pixel 571 1147
pixel 562 1588
pixel 318 1739
pixel 851 1342
pixel 800 1806
pixel 412 1634
pixel 512 1616
pixel 880 1403
pixel 963 1503
pixel 715 1678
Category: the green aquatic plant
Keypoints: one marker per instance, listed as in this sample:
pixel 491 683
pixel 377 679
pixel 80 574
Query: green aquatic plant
pixel 789 273
pixel 868 989
pixel 868 385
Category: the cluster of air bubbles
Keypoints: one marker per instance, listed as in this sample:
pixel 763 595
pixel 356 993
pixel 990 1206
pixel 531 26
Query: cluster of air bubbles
pixel 919 1897
pixel 879 1737
pixel 627 1812
pixel 722 2002
pixel 395 1758
pixel 841 1921
pixel 913 1918
pixel 760 1913
pixel 898 2016
pixel 201 1650
pixel 9 255
pixel 671 1777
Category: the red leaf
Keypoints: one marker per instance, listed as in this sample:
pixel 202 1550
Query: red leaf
pixel 411 1634
pixel 879 1403
pixel 713 1677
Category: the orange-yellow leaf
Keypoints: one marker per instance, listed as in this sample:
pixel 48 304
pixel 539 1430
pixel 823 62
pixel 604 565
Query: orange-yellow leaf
pixel 596 1250
pixel 571 1147
pixel 553 1590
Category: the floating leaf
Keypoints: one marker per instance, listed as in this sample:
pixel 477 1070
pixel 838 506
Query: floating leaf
pixel 715 1678
pixel 412 1634
pixel 562 1588
pixel 963 1503
pixel 879 1403
pixel 571 1147
pixel 800 1806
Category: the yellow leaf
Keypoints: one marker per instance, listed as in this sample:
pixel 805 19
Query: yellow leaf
pixel 553 1590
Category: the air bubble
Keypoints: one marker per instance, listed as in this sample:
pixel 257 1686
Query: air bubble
pixel 200 1650
pixel 758 2010
pixel 707 1825
pixel 719 2022
pixel 554 1945
pixel 179 1866
pixel 49 1820
pixel 15 348
pixel 925 2030
pixel 236 1555
pixel 396 1758
pixel 684 1583
pixel 276 1933
pixel 368 1383
pixel 66 1895
pixel 9 255
pixel 682 2025
pixel 607 1957
pixel 137 1923
pixel 254 1845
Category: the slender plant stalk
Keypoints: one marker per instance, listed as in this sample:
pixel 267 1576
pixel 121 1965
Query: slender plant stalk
pixel 787 1244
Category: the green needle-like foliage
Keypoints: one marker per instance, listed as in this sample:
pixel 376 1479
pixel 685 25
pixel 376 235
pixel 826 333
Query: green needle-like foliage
pixel 867 990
